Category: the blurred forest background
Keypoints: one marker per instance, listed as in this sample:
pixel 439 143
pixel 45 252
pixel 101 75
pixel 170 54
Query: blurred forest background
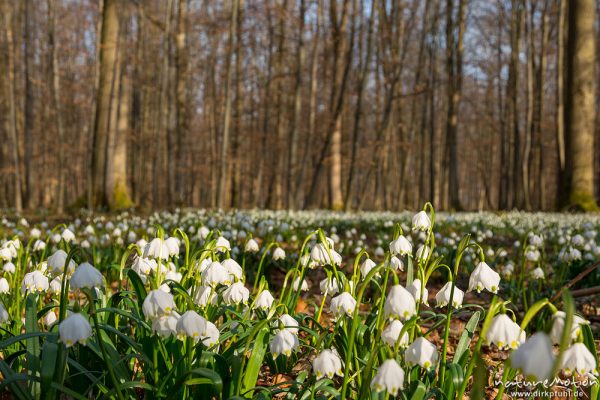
pixel 342 104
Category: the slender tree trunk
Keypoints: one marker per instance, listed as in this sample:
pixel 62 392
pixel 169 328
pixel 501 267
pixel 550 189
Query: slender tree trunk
pixel 560 101
pixel 28 106
pixel 182 98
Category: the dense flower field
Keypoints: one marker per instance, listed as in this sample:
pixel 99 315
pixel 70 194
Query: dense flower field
pixel 299 305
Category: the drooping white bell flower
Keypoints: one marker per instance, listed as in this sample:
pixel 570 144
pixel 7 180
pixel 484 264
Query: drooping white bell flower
pixel 3 314
pixel 366 267
pixel 211 336
pixel 166 325
pixel 443 296
pixel 504 333
pixel 236 294
pixel 222 245
pixel 278 254
pixel 191 325
pixel 297 286
pixel 9 268
pixel 538 273
pixel 421 352
pixel 157 248
pixel 534 357
pixel 329 286
pixel 68 236
pixel 320 255
pixel 421 221
pixel 35 281
pixel 74 329
pixel 287 322
pixel 55 285
pixel 415 289
pixel 172 245
pixel 39 245
pixel 483 277
pixel 251 246
pixel 395 264
pixel 391 333
pixel 399 303
pixel 400 246
pixel 558 325
pixel 49 318
pixel 578 359
pixel 143 266
pixel 56 263
pixel 343 304
pixel 86 276
pixel 35 233
pixel 216 274
pixel 284 342
pixel 264 300
pixel 422 253
pixel 4 286
pixel 327 364
pixel 389 377
pixel 157 304
pixel 234 269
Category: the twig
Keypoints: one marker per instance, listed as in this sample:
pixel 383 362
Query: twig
pixel 579 277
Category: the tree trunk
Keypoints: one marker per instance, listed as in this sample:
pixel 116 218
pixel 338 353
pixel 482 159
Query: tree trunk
pixel 28 110
pixel 182 98
pixel 580 105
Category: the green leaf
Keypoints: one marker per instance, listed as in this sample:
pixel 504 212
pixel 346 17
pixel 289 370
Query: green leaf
pixel 420 392
pixel 49 356
pixel 256 360
pixel 33 343
pixel 466 336
pixel 138 286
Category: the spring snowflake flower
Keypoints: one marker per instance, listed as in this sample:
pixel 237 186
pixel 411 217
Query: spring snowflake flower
pixel 327 363
pixel 534 357
pixel 366 267
pixel 278 254
pixel 234 269
pixel 391 333
pixel 4 286
pixel 504 333
pixel 143 266
pixel 578 359
pixel 401 246
pixel 216 274
pixel 329 286
pixel 415 289
pixel 166 325
pixel 251 246
pixel 399 303
pixel 287 322
pixel 395 264
pixel 538 273
pixel 443 296
pixel 68 236
pixel 264 300
pixel 3 314
pixel 157 304
pixel 343 304
pixel 191 325
pixel 211 336
pixel 320 256
pixel 422 252
pixel 300 286
pixel 35 233
pixel 9 268
pixel 222 245
pixel 57 261
pixel 35 281
pixel 421 221
pixel 86 276
pixel 284 342
pixel 421 352
pixel 558 325
pixel 236 294
pixel 49 318
pixel 39 245
pixel 74 329
pixel 389 377
pixel 483 277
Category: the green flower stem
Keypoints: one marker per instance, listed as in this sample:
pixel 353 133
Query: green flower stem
pixel 107 360
pixel 260 264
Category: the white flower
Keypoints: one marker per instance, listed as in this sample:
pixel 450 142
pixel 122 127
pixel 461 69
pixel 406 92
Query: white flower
pixel 395 264
pixel 366 267
pixel 222 245
pixel 415 289
pixel 211 335
pixel 327 363
pixel 421 352
pixel 399 303
pixel 4 286
pixel 343 304
pixel 35 233
pixel 143 266
pixel 86 276
pixel 443 296
pixel 68 236
pixel 421 221
pixel 39 245
pixel 251 246
pixel 389 377
pixel 236 294
pixel 157 304
pixel 172 245
pixel 320 256
pixel 300 286
pixel 284 342
pixel 56 263
pixel 9 268
pixel 192 325
pixel 166 325
pixel 278 254
pixel 391 333
pixel 203 232
pixel 287 322
pixel 35 281
pixel 422 253
pixel 508 270
pixel 401 246
pixel 204 295
pixel 3 314
pixel 504 332
pixel 74 329
pixel 157 248
pixel 234 269
pixel 329 286
pixel 264 300
pixel 55 285
pixel 49 318
pixel 579 359
pixel 534 357
pixel 538 273
pixel 558 325
pixel 483 277
pixel 216 274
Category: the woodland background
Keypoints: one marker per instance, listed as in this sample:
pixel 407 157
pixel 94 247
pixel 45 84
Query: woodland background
pixel 342 104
